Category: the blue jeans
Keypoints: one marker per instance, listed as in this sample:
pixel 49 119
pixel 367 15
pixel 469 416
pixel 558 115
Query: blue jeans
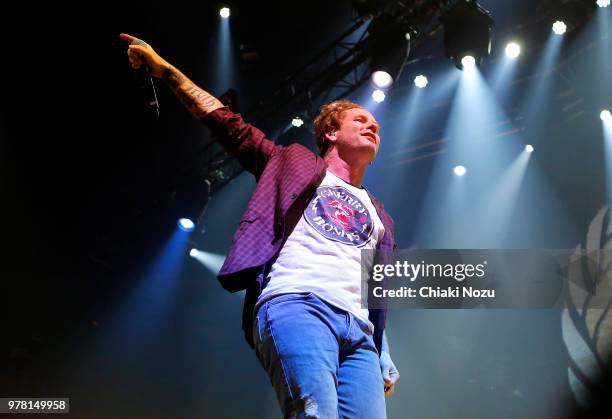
pixel 320 359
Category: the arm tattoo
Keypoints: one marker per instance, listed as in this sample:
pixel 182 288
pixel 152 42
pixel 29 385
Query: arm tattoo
pixel 198 101
pixel 173 77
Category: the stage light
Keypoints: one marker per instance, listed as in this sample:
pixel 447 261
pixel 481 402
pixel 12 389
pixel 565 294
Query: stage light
pixel 513 50
pixel 559 27
pixel 382 79
pixel 388 51
pixel 186 224
pixel 224 12
pixel 570 15
pixel 297 122
pixel 529 148
pixel 378 95
pixel 468 62
pixel 603 3
pixel 420 81
pixel 606 116
pixel 211 261
pixel 459 170
pixel 467 31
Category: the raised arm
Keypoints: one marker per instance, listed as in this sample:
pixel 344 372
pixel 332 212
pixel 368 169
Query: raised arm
pixel 198 101
pixel 247 143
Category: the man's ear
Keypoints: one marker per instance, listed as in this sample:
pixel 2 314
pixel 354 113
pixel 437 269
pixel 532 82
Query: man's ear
pixel 331 136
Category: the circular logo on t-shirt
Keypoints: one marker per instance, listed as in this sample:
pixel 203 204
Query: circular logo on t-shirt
pixel 339 215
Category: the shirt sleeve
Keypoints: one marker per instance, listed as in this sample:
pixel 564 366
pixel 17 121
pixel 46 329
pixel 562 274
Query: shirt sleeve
pixel 242 140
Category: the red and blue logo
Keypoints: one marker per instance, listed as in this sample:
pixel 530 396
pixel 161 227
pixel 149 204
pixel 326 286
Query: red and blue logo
pixel 339 215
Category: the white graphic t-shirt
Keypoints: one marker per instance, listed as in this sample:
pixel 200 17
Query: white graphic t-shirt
pixel 323 253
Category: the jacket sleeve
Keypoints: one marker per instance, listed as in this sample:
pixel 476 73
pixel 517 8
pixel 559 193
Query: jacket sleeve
pixel 242 140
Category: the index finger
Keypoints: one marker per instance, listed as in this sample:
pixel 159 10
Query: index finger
pixel 127 37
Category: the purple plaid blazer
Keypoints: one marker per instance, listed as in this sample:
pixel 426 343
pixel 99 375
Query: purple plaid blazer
pixel 287 178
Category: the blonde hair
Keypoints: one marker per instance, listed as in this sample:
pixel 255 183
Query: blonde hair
pixel 329 120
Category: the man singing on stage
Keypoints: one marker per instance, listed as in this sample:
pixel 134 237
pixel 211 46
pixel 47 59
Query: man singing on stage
pixel 297 253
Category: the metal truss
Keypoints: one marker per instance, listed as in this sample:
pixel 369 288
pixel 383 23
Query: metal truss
pixel 334 73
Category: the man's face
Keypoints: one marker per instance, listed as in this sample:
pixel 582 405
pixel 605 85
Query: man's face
pixel 358 135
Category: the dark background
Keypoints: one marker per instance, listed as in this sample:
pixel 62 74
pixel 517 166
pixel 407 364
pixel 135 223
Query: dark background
pixel 89 181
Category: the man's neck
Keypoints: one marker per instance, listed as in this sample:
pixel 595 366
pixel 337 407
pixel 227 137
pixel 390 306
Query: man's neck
pixel 352 174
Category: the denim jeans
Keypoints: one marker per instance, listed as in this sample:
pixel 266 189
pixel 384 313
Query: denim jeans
pixel 321 360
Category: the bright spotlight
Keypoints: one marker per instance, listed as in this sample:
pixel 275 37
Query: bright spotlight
pixel 193 252
pixel 378 95
pixel 420 81
pixel 559 27
pixel 468 62
pixel 186 224
pixel 513 50
pixel 224 12
pixel 529 148
pixel 603 3
pixel 467 31
pixel 459 170
pixel 382 79
pixel 606 116
pixel 297 122
pixel 387 62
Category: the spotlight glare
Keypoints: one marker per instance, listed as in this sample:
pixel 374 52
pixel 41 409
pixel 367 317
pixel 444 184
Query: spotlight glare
pixel 193 252
pixel 186 224
pixel 382 79
pixel 513 50
pixel 224 12
pixel 559 27
pixel 606 116
pixel 459 170
pixel 378 95
pixel 603 3
pixel 420 81
pixel 468 62
pixel 529 148
pixel 467 31
pixel 297 122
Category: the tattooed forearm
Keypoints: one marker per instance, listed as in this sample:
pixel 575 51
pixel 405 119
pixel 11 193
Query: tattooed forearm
pixel 173 77
pixel 198 101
